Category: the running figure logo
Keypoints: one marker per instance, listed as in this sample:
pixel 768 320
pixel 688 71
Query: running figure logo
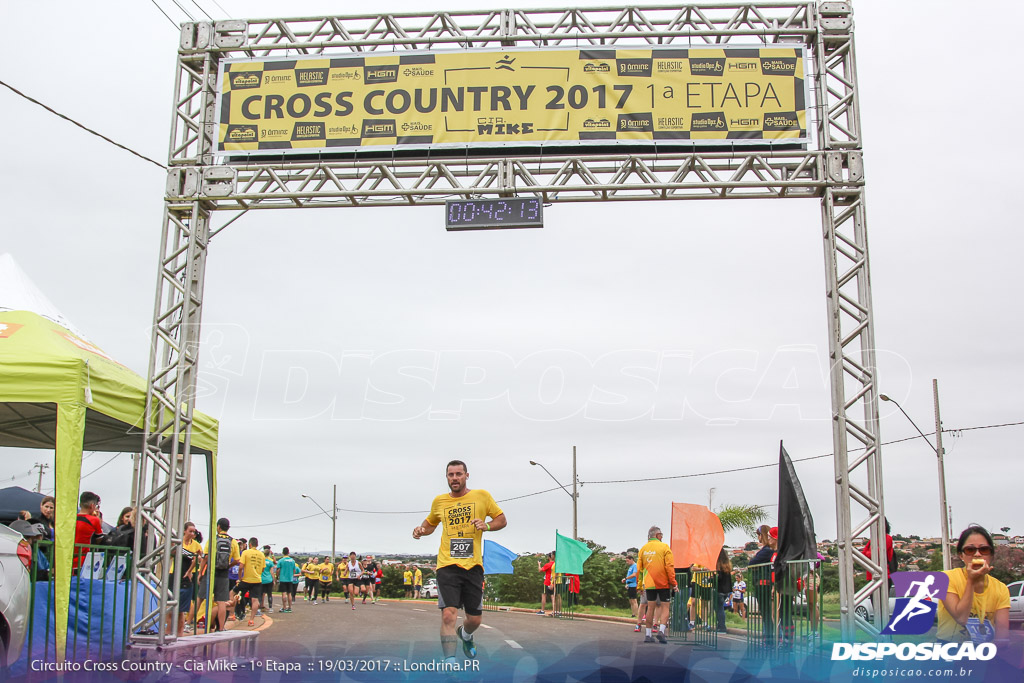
pixel 505 63
pixel 918 595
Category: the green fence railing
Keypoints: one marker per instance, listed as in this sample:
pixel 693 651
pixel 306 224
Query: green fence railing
pixel 784 610
pixel 98 603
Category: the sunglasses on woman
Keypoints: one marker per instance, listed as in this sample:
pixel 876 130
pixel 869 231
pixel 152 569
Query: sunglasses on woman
pixel 984 550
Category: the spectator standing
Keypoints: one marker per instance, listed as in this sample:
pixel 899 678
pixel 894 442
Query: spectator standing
pixel 890 563
pixel 407 582
pixel 761 575
pixel 655 558
pixel 630 581
pixel 88 526
pixel 739 589
pixel 417 582
pixel 33 533
pixel 287 580
pixel 226 559
pixel 47 506
pixel 724 577
pixel 267 579
pixel 548 589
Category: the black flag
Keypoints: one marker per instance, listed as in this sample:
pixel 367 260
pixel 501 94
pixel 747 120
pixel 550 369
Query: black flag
pixel 796 527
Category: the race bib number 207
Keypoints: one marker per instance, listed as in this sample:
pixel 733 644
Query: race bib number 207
pixel 461 548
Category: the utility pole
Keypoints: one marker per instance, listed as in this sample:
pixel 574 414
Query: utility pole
pixel 575 497
pixel 39 483
pixel 939 452
pixel 334 523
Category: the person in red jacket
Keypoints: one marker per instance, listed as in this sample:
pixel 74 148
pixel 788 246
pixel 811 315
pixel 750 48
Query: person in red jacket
pixel 87 526
pixel 548 588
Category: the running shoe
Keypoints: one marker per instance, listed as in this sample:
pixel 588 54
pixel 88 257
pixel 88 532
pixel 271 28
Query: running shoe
pixel 468 648
pixel 315 602
pixel 353 606
pixel 661 637
pixel 648 639
pixel 252 623
pixel 540 612
pixel 636 629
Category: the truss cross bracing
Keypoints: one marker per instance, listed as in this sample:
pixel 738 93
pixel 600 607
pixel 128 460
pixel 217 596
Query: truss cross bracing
pixel 200 183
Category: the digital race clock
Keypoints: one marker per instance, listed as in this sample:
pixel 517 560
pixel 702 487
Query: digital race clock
pixel 482 214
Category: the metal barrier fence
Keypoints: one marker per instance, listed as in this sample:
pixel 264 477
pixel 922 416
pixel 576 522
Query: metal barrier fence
pixel 98 604
pixel 784 612
pixel 567 595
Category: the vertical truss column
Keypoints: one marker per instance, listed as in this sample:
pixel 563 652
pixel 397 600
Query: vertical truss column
pixel 162 478
pixel 858 475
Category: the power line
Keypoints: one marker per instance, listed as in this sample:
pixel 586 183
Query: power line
pixel 190 17
pixel 85 128
pixel 775 464
pixel 201 9
pixel 110 460
pixel 165 14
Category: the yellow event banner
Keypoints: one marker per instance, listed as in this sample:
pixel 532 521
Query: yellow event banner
pixel 487 98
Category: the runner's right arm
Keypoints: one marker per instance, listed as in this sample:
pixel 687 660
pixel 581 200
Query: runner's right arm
pixel 424 529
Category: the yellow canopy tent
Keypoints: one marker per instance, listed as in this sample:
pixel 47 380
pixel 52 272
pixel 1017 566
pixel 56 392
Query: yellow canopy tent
pixel 60 392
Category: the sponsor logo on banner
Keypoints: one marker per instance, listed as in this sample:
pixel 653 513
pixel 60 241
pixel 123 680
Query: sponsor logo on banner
pixel 707 66
pixel 349 130
pixel 307 77
pixel 241 134
pixel 597 123
pixel 345 75
pixel 7 329
pixel 417 71
pixel 379 128
pixel 417 127
pixel 747 123
pixel 748 65
pixel 596 68
pixel 778 66
pixel 676 66
pixel 241 80
pixel 636 123
pixel 784 120
pixel 637 68
pixel 711 121
pixel 673 123
pixel 383 73
pixel 309 131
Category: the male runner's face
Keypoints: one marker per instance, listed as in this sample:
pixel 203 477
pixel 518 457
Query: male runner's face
pixel 457 478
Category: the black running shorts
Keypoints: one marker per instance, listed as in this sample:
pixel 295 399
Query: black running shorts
pixel 659 594
pixel 458 587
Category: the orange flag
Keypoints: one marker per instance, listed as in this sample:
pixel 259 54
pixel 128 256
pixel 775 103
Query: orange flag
pixel 697 536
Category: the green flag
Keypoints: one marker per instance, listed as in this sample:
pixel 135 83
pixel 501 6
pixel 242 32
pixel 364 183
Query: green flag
pixel 570 555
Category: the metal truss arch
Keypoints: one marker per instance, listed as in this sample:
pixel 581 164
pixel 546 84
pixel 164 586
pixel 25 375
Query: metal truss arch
pixel 200 184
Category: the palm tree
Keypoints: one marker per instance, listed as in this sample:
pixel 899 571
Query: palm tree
pixel 745 517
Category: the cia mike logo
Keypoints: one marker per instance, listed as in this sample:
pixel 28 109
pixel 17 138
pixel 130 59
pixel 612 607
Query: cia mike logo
pixel 918 596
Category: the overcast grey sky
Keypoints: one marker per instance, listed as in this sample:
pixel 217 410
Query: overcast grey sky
pixel 691 336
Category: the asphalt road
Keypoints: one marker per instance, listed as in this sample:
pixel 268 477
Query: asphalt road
pixel 400 640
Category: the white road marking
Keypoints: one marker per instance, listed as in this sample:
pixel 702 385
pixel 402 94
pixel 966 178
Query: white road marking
pixel 417 609
pixel 512 643
pixel 486 626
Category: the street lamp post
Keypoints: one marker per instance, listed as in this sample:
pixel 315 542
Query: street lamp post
pixel 334 518
pixel 939 452
pixel 574 495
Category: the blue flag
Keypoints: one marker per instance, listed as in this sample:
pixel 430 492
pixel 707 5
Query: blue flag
pixel 497 558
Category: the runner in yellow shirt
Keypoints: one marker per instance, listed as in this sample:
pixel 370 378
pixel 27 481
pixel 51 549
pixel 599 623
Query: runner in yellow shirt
pixel 460 571
pixel 250 580
pixel 326 578
pixel 312 576
pixel 407 582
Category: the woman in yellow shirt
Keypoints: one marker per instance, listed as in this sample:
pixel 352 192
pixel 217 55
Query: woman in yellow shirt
pixel 977 606
pixel 326 578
